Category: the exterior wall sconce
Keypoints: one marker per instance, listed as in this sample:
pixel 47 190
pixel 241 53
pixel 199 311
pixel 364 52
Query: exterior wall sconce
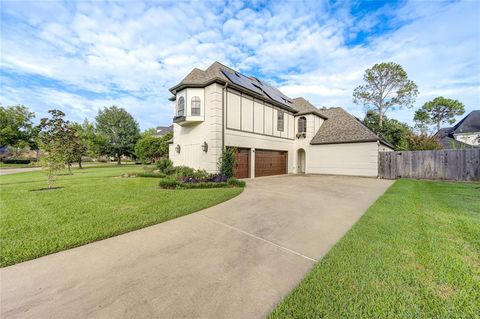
pixel 177 148
pixel 205 147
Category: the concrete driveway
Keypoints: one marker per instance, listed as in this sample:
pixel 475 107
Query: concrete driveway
pixel 234 260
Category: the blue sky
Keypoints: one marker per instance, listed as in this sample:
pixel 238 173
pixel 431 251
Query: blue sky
pixel 82 56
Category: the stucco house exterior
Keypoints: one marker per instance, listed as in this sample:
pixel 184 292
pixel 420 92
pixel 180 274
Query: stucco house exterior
pixel 465 134
pixel 273 134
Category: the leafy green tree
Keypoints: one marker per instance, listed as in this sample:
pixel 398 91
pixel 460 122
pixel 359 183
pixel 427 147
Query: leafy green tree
pixel 438 111
pixel 53 136
pixel 75 146
pixel 149 132
pixel 16 127
pixel 422 120
pixel 386 87
pixel 118 132
pixel 150 148
pixel 89 138
pixel 392 131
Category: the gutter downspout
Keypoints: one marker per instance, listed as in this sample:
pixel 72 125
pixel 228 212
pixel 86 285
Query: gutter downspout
pixel 224 90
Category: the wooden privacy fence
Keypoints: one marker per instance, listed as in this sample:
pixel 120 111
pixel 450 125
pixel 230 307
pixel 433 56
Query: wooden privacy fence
pixel 459 165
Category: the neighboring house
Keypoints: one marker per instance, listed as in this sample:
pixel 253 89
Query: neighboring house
pixel 465 134
pixel 162 130
pixel 273 134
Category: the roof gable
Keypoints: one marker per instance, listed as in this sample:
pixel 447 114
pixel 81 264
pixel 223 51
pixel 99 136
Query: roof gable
pixel 305 107
pixel 342 127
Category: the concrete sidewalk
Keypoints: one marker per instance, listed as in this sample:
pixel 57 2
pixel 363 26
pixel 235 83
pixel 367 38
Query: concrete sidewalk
pixel 8 171
pixel 235 260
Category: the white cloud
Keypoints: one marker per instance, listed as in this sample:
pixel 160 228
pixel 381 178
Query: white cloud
pixel 129 53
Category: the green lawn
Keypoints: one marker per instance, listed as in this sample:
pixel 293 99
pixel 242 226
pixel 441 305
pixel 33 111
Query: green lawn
pixel 414 254
pixel 94 204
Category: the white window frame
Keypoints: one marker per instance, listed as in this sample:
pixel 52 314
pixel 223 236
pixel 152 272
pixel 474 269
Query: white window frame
pixel 280 120
pixel 302 128
pixel 196 104
pixel 181 110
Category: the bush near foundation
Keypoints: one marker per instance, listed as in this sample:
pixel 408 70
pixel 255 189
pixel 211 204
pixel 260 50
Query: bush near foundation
pixel 190 183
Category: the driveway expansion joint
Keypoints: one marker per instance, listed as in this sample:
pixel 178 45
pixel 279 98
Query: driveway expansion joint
pixel 260 238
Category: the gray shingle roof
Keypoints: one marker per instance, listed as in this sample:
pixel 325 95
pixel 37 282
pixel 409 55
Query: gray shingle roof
pixel 342 127
pixel 305 107
pixel 469 124
pixel 200 77
pixel 162 130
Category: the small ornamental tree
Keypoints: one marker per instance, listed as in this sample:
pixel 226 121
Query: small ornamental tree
pixel 53 135
pixel 438 111
pixel 386 87
pixel 227 162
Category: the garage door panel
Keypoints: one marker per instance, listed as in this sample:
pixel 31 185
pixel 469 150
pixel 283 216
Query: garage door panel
pixel 269 162
pixel 242 163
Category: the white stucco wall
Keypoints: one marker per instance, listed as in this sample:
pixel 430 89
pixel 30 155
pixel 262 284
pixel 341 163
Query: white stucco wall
pixel 191 137
pixel 357 159
pixel 246 114
pixel 468 138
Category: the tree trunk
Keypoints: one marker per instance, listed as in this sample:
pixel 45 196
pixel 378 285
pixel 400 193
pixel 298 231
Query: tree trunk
pixel 380 122
pixel 438 126
pixel 80 164
pixel 69 165
pixel 119 160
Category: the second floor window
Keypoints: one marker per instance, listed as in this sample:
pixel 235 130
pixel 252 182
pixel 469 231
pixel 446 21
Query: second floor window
pixel 195 106
pixel 302 125
pixel 181 106
pixel 280 121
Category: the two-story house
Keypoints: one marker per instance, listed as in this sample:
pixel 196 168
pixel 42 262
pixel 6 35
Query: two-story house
pixel 465 134
pixel 273 134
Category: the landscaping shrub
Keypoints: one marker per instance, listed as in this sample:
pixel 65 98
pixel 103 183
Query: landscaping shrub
pixel 169 183
pixel 152 174
pixel 227 161
pixel 172 183
pixel 184 172
pixel 16 161
pixel 219 178
pixel 201 174
pixel 232 181
pixel 203 185
pixel 188 178
pixel 165 166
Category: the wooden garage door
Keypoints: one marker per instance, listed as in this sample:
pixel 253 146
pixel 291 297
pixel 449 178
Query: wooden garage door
pixel 242 163
pixel 270 163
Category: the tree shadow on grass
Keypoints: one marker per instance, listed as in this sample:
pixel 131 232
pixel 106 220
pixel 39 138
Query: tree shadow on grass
pixel 45 189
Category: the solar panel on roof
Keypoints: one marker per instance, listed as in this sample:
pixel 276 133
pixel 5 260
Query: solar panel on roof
pixel 241 80
pixel 275 94
pixel 255 85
